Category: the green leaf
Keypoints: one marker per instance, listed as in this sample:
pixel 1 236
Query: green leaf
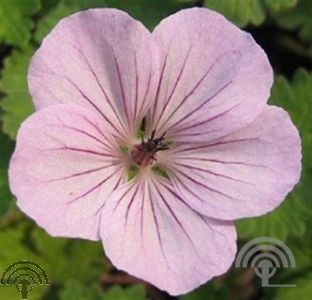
pixel 298 18
pixel 302 291
pixel 280 4
pixel 13 249
pixel 15 20
pixel 150 13
pixel 62 259
pixel 16 104
pixel 69 259
pixel 302 250
pixel 10 292
pixel 209 291
pixel 75 290
pixel 5 152
pixel 136 292
pixel 292 217
pixel 12 246
pixel 243 12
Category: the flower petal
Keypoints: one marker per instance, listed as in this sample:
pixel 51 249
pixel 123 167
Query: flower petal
pixel 150 231
pixel 245 174
pixel 64 167
pixel 214 77
pixel 101 59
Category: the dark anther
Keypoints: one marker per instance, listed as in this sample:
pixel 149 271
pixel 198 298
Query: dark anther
pixel 144 153
pixel 155 144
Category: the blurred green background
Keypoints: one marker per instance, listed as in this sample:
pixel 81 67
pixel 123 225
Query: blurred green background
pixel 78 269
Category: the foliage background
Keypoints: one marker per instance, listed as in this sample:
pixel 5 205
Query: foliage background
pixel 78 269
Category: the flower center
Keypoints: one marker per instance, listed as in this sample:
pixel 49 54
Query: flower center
pixel 144 154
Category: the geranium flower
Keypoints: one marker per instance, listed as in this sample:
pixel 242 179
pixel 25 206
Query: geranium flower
pixel 153 142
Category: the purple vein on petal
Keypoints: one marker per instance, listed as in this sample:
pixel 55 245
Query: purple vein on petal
pixel 157 228
pixel 189 207
pixel 122 197
pixel 123 96
pixel 95 106
pixel 84 151
pixel 200 106
pixel 182 134
pixel 203 122
pixel 192 91
pixel 185 203
pixel 206 186
pixel 84 133
pixel 76 149
pixel 142 215
pixel 98 83
pixel 162 72
pixel 102 205
pixel 218 144
pixel 195 195
pixel 145 95
pixel 175 84
pixel 98 130
pixel 212 173
pixel 223 162
pixel 82 173
pixel 94 188
pixel 136 87
pixel 176 219
pixel 130 205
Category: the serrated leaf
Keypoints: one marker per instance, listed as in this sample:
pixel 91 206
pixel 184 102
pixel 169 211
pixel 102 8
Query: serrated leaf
pixel 243 12
pixel 75 290
pixel 136 292
pixel 16 104
pixel 6 149
pixel 13 249
pixel 69 259
pixel 299 18
pixel 292 217
pixel 15 20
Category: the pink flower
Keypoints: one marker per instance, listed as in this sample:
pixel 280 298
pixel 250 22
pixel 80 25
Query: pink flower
pixel 213 151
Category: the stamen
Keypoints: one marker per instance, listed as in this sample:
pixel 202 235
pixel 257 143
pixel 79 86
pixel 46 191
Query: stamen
pixel 145 153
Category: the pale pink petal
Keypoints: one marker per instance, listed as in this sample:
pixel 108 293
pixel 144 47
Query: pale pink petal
pixel 214 77
pixel 245 174
pixel 63 169
pixel 151 232
pixel 101 59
